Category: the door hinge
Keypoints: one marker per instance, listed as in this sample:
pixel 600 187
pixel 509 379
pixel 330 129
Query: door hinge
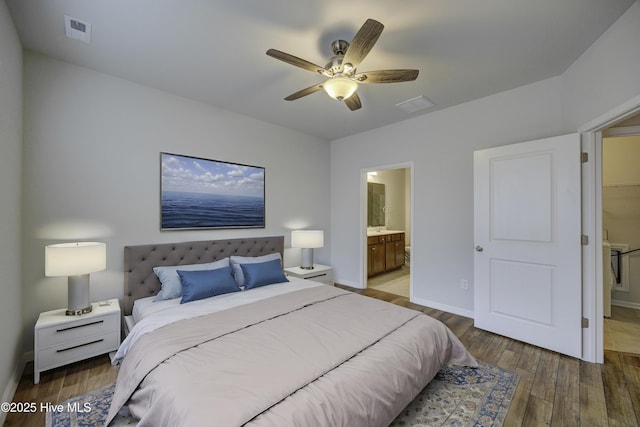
pixel 585 323
pixel 584 157
pixel 584 240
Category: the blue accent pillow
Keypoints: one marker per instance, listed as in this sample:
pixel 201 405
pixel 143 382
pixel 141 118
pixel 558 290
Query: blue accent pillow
pixel 236 261
pixel 202 284
pixel 171 284
pixel 262 273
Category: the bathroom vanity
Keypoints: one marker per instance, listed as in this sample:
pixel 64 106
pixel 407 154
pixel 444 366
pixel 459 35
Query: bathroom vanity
pixel 385 251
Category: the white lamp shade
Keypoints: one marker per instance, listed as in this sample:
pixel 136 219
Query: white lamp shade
pixel 307 239
pixel 74 259
pixel 340 88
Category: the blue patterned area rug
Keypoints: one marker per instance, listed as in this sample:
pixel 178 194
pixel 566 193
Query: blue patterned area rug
pixel 460 396
pixel 457 396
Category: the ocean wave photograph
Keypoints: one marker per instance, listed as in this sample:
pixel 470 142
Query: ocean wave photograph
pixel 201 193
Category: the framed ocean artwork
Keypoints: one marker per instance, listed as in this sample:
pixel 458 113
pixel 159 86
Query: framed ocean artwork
pixel 199 193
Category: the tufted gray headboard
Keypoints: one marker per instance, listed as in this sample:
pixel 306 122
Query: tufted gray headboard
pixel 140 281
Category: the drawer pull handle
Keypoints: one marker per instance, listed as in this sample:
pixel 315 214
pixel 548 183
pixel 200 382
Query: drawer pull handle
pixel 80 326
pixel 318 275
pixel 80 345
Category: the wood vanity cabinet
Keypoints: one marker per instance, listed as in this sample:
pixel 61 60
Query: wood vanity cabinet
pixel 385 253
pixel 394 251
pixel 376 255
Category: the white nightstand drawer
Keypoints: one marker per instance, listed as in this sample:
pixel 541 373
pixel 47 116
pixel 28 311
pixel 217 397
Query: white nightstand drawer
pixel 60 339
pixel 73 351
pixel 319 273
pixel 77 329
pixel 325 277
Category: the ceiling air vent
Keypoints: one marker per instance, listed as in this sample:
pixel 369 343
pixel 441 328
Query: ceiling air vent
pixel 413 105
pixel 76 29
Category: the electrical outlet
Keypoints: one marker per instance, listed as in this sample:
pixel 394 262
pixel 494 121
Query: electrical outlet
pixel 464 284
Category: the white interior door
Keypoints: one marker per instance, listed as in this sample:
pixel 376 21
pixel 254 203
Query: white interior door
pixel 527 231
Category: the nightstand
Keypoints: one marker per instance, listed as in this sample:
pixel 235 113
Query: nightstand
pixel 320 273
pixel 61 339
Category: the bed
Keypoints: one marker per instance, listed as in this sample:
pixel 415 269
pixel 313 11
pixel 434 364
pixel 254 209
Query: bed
pixel 289 353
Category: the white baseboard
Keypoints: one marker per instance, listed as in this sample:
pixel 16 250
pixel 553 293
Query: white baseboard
pixel 426 303
pixel 12 386
pixel 626 304
pixel 443 307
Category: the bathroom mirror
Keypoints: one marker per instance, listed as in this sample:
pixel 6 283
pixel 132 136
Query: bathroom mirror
pixel 375 205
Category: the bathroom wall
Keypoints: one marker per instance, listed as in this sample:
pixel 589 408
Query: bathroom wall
pixel 621 206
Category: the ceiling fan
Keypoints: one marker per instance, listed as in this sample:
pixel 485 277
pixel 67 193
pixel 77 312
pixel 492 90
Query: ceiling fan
pixel 342 79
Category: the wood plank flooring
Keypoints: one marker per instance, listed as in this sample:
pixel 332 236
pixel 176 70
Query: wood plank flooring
pixel 553 389
pixel 58 385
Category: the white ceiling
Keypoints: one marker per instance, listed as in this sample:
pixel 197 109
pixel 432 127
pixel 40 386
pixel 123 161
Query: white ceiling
pixel 214 50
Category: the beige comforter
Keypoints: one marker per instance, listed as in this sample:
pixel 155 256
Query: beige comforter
pixel 315 357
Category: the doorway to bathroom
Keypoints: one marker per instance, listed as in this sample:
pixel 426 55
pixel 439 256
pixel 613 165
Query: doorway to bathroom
pixel 621 235
pixel 388 229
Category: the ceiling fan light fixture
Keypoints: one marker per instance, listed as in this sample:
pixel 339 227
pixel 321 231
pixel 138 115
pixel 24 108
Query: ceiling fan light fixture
pixel 341 78
pixel 340 88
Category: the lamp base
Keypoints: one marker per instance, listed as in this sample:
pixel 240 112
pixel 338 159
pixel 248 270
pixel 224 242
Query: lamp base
pixel 78 295
pixel 307 259
pixel 79 312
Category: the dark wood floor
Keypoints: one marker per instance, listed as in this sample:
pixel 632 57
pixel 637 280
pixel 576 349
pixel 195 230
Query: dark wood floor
pixel 553 389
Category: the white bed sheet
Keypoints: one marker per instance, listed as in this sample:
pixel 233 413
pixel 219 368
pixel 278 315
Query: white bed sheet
pixel 144 307
pixel 154 315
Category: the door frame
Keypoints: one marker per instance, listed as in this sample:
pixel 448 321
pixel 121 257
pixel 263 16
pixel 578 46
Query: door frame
pixel 363 218
pixel 592 285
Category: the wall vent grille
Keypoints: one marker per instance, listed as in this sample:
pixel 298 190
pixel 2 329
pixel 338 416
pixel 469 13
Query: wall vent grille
pixel 77 30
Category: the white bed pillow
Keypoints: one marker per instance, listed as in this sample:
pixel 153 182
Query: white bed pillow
pixel 237 260
pixel 171 285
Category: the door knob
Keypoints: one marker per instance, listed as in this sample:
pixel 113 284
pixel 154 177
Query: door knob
pixel 479 248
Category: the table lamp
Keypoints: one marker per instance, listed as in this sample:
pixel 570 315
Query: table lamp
pixel 75 260
pixel 307 240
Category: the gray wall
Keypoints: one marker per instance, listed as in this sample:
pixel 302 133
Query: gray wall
pixel 606 75
pixel 92 171
pixel 442 143
pixel 441 146
pixel 10 194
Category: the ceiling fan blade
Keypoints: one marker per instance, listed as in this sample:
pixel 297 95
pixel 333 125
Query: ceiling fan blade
pixel 294 60
pixel 387 76
pixel 304 92
pixel 353 102
pixel 362 42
